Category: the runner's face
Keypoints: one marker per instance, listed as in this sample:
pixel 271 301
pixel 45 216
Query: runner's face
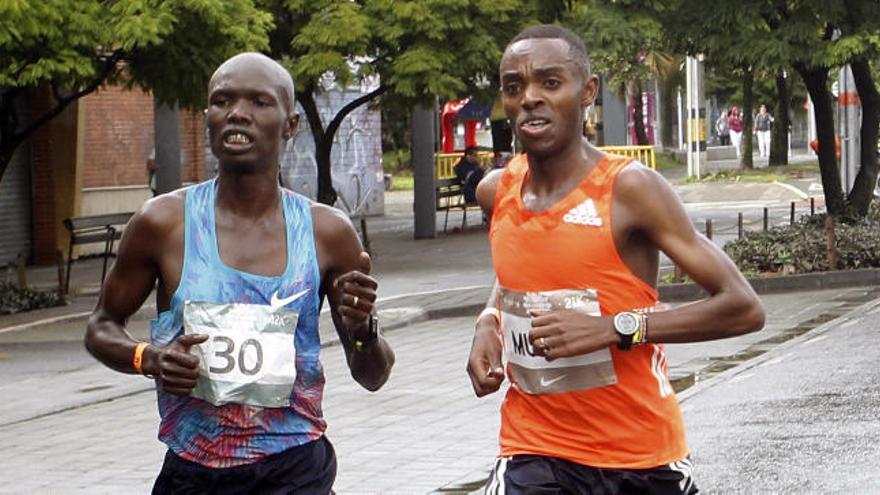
pixel 545 93
pixel 247 116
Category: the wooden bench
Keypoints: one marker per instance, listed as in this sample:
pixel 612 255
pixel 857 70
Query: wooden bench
pixel 93 229
pixel 450 197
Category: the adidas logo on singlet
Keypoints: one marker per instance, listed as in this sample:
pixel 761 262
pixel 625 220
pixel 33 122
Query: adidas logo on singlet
pixel 584 214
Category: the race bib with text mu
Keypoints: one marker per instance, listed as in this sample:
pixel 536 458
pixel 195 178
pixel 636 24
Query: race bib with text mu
pixel 531 372
pixel 250 355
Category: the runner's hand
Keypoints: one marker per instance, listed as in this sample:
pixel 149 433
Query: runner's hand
pixel 484 364
pixel 174 367
pixel 566 333
pixel 357 298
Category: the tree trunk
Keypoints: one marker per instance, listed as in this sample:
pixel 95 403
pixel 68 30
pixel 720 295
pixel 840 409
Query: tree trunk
pixel 748 80
pixel 863 188
pixel 638 116
pixel 10 135
pixel 323 137
pixel 667 113
pixel 326 194
pixel 779 139
pixel 816 80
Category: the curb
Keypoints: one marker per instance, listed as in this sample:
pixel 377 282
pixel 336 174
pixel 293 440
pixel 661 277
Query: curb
pixel 786 283
pixel 727 375
pixel 420 312
pixel 142 313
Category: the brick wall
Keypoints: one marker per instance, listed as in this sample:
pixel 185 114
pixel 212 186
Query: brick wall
pixel 119 138
pixel 43 184
pixel 116 131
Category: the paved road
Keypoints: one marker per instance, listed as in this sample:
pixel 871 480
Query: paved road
pixel 800 419
pixel 424 431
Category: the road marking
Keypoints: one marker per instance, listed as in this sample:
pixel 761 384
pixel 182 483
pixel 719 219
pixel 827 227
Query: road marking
pixel 793 189
pixel 741 377
pixel 45 321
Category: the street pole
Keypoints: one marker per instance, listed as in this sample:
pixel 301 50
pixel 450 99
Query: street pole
pixel 166 126
pixel 678 115
pixel 849 116
pixel 424 196
pixel 689 92
pixel 811 125
pixel 696 118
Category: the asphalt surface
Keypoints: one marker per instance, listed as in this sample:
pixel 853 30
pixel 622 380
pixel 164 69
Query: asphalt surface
pixel 802 418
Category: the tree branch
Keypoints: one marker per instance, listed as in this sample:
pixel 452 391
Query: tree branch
pixel 63 102
pixel 350 106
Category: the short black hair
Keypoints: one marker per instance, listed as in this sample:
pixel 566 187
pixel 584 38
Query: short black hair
pixel 470 149
pixel 576 46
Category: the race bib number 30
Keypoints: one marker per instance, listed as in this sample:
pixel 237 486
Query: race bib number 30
pixel 529 370
pixel 249 357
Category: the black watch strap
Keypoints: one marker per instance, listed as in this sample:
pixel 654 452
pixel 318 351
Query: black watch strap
pixel 372 334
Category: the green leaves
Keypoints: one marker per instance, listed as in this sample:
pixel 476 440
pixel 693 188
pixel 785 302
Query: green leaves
pixel 48 39
pixel 170 46
pixel 418 48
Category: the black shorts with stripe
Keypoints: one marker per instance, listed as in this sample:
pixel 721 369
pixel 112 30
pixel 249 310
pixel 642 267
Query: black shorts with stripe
pixel 308 469
pixel 541 475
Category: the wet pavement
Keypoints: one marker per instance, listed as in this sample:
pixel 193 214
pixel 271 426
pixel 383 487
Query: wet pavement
pixel 425 431
pixel 800 419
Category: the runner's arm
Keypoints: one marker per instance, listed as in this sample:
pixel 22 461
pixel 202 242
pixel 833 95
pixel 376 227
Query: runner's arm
pixel 484 364
pixel 129 283
pixel 732 307
pixel 348 275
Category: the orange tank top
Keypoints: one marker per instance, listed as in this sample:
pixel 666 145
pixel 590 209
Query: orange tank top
pixel 629 418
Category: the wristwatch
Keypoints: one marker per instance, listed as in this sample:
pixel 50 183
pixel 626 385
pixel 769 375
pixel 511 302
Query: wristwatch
pixel 372 334
pixel 631 329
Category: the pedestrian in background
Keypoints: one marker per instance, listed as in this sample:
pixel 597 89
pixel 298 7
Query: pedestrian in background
pixel 735 125
pixel 722 129
pixel 763 123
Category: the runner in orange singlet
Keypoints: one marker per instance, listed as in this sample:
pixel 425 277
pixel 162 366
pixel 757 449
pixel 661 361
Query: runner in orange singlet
pixel 575 238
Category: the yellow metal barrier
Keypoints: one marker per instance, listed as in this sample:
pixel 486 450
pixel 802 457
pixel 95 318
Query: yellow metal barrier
pixel 644 154
pixel 444 163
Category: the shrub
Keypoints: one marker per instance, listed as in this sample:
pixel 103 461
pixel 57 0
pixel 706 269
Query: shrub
pixel 397 162
pixel 801 248
pixel 15 300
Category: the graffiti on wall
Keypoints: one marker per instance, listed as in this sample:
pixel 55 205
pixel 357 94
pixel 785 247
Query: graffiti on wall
pixel 356 157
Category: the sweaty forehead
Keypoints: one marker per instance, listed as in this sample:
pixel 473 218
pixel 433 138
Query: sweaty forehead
pixel 537 52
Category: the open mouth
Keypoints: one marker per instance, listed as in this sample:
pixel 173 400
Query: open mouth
pixel 237 138
pixel 534 125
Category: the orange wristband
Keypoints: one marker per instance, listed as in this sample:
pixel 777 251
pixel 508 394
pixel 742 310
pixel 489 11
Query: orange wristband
pixel 138 359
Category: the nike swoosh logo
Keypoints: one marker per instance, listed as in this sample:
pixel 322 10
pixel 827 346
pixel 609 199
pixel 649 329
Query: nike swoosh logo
pixel 547 383
pixel 280 303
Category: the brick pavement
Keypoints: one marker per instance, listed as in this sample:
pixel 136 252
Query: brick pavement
pixel 423 431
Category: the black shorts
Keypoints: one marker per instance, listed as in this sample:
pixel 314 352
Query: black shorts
pixel 541 475
pixel 308 469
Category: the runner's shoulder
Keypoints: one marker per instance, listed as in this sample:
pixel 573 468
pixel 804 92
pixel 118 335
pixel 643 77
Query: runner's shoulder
pixel 642 188
pixel 488 187
pixel 330 223
pixel 160 215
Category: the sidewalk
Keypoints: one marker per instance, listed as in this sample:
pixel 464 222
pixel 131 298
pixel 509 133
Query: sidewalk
pixel 406 266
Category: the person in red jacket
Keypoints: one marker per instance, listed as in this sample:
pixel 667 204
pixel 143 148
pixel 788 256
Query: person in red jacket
pixel 734 122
